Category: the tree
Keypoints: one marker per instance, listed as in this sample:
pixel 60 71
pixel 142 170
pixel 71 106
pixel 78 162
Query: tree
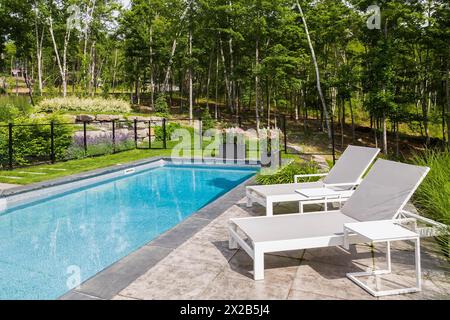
pixel 316 68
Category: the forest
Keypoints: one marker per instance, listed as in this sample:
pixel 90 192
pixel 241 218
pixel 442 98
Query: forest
pixel 383 64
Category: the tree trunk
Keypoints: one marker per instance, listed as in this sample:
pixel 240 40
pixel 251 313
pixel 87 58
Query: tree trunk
pixel 29 86
pixel 342 122
pixel 257 84
pixel 447 93
pixel 425 112
pixel 397 139
pixel 232 82
pixel 268 104
pixel 227 82
pixel 39 41
pixel 114 72
pixel 385 145
pixel 92 69
pixel 152 81
pixel 375 131
pixel 172 53
pixel 208 81
pixel 217 88
pixel 62 66
pixel 191 106
pixel 316 67
pixel 353 119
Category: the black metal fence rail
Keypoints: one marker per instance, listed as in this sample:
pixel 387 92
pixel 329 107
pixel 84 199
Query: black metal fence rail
pixel 286 123
pixel 149 125
pixel 50 150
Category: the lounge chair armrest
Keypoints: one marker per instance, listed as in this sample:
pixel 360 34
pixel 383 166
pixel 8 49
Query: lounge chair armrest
pixel 349 184
pixel 427 228
pixel 340 185
pixel 300 176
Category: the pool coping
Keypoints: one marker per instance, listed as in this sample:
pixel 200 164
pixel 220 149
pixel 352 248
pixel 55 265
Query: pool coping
pixel 107 283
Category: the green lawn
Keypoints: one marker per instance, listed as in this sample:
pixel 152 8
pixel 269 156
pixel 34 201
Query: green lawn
pixel 51 171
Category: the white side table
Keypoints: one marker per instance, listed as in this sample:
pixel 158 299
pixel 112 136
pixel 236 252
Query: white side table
pixel 383 231
pixel 323 195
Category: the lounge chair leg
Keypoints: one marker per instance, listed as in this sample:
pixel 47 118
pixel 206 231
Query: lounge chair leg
pixel 269 208
pixel 258 264
pixel 249 201
pixel 388 257
pixel 418 267
pixel 232 243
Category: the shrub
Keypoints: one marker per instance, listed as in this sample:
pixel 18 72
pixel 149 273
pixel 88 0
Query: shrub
pixel 170 128
pixel 12 107
pixel 287 173
pixel 207 120
pixel 161 105
pixel 92 105
pixel 432 196
pixel 31 143
pixel 99 145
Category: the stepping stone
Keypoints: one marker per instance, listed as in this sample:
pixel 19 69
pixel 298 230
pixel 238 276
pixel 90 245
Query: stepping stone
pixel 31 172
pixel 4 186
pixel 11 177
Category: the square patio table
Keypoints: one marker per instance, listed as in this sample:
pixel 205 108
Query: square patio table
pixel 383 231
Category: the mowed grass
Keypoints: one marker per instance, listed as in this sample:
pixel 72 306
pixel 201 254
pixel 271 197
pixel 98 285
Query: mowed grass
pixel 45 172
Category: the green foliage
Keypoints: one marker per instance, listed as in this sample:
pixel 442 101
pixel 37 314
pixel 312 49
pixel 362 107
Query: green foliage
pixel 98 149
pixel 161 105
pixel 31 143
pixel 170 128
pixel 91 105
pixel 287 173
pixel 433 196
pixel 12 107
pixel 207 120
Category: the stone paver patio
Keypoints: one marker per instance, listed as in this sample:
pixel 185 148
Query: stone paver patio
pixel 204 268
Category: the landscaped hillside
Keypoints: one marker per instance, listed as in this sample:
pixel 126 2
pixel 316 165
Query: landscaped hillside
pixel 385 67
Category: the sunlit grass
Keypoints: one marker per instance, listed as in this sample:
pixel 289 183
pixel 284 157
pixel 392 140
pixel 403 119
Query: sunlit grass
pixel 433 196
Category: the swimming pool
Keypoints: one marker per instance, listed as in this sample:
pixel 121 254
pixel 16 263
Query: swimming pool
pixel 47 245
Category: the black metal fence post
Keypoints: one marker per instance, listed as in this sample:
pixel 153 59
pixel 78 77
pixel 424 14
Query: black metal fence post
pixel 285 133
pixel 149 134
pixel 85 137
pixel 10 145
pixel 52 142
pixel 135 133
pixel 200 133
pixel 164 133
pixel 114 135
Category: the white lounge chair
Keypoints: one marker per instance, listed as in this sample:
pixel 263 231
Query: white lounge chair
pixel 381 196
pixel 342 179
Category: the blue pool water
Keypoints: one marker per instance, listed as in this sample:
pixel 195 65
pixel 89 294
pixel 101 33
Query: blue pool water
pixel 43 245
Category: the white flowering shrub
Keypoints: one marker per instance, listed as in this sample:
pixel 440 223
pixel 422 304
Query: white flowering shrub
pixel 93 105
